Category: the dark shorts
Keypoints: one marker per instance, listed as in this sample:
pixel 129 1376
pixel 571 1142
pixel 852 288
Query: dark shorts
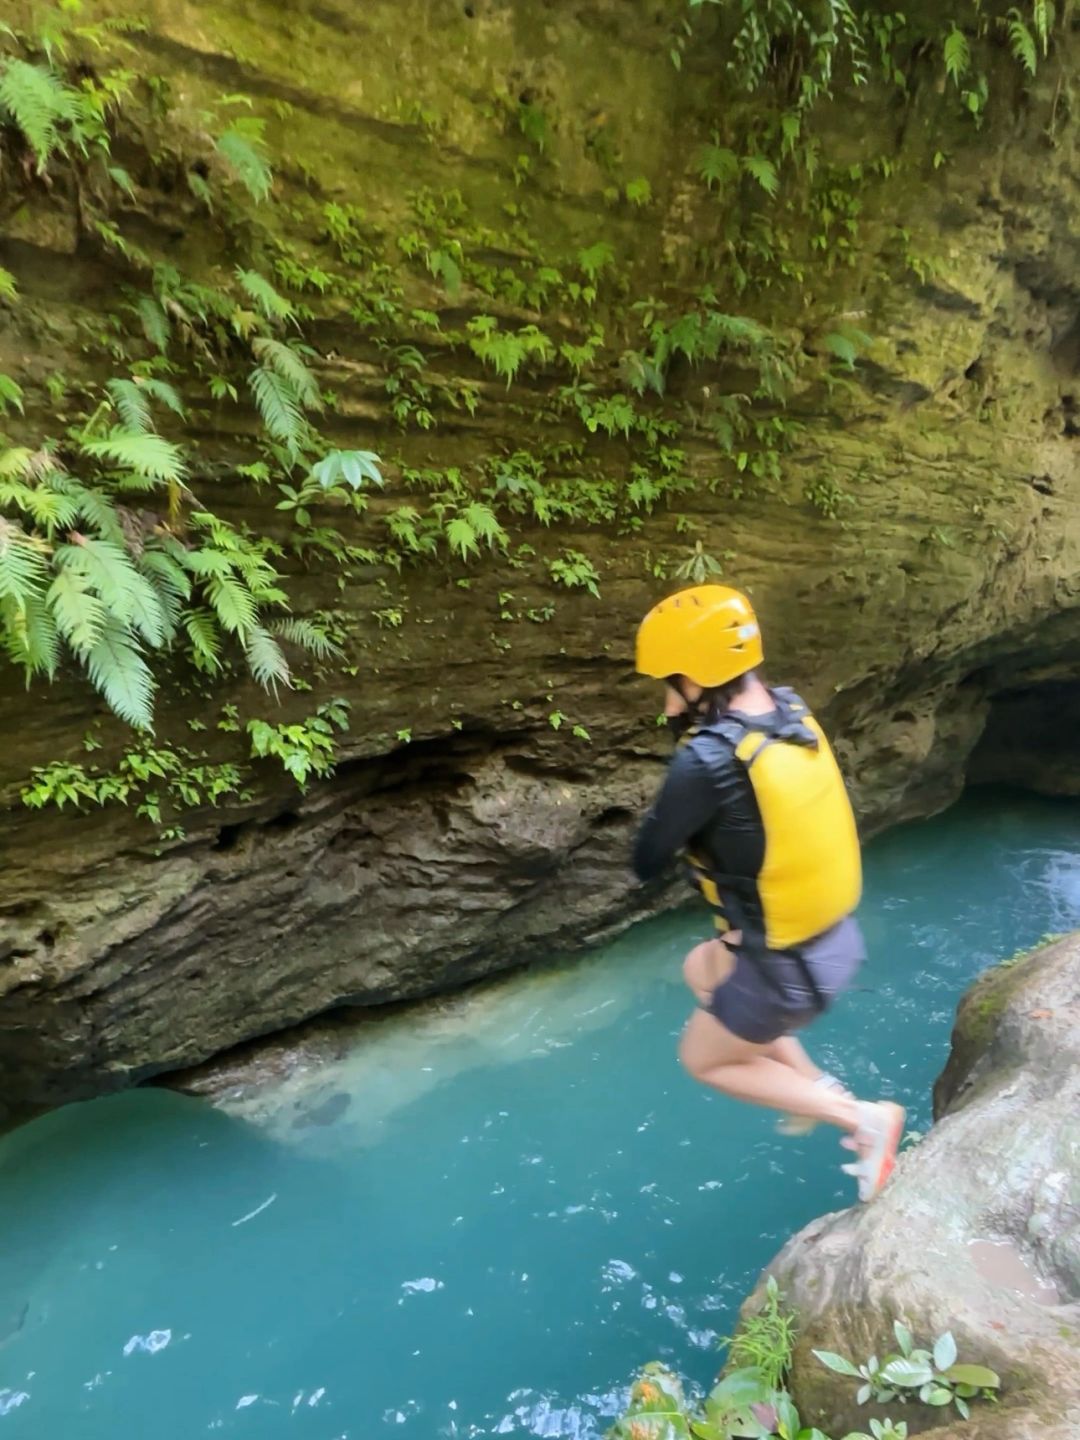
pixel 769 995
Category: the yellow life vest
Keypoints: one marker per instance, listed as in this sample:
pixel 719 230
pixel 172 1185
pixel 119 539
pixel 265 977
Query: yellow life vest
pixel 811 874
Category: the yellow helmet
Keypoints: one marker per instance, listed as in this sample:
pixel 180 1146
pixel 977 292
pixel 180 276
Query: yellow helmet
pixel 708 633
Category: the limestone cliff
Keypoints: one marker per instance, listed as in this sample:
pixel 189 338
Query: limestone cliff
pixel 978 1232
pixel 914 554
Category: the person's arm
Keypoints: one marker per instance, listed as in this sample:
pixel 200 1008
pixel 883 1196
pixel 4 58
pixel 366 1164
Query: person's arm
pixel 685 804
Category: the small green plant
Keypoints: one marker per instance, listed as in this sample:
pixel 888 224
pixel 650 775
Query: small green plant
pixel 765 1341
pixel 699 566
pixel 932 1376
pixel 305 748
pixel 576 571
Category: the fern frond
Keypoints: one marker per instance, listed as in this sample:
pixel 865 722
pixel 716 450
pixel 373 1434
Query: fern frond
pixel 204 639
pixel 131 404
pixel 279 408
pixel 22 568
pixel 11 395
pixel 29 637
pixel 165 573
pixel 163 391
pixel 243 156
pixel 957 53
pixel 147 455
pixel 233 605
pixel 79 614
pixel 155 322
pixel 265 659
pixel 306 635
pixel 1042 12
pixel 120 675
pixel 1022 42
pixel 259 290
pixel 287 361
pixel 8 288
pixel 38 103
pixel 94 509
pixel 126 595
pixel 763 171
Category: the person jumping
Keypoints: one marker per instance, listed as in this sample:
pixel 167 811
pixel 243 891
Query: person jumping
pixel 754 801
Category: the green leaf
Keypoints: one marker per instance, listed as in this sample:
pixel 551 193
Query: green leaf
pixel 904 1337
pixel 836 1363
pixel 944 1351
pixel 763 171
pixel 596 258
pixel 288 363
pixel 306 635
pixel 907 1372
pixel 161 390
pixel 351 466
pixel 461 537
pixel 38 103
pixel 132 405
pixel 265 297
pixel 79 614
pixel 972 1375
pixel 279 407
pixel 119 176
pixel 118 672
pixel 11 395
pixel 155 322
pixel 147 455
pixel 8 288
pixel 202 632
pixel 957 55
pixel 265 659
pixel 1022 42
pixel 938 1395
pixel 717 165
pixel 842 348
pixel 244 153
pixel 233 604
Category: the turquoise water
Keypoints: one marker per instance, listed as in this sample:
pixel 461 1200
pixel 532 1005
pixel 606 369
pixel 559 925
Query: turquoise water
pixel 485 1219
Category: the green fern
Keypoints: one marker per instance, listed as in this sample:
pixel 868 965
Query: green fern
pixel 306 635
pixel 259 290
pixel 79 614
pixel 11 395
pixel 155 322
pixel 1042 16
pixel 288 362
pixel 243 150
pixel 119 673
pixel 146 455
pixel 1022 42
pixel 127 596
pixel 132 405
pixel 265 659
pixel 204 639
pixel 22 567
pixel 761 169
pixel 717 165
pixel 8 288
pixel 36 101
pixel 957 54
pixel 279 407
pixel 233 605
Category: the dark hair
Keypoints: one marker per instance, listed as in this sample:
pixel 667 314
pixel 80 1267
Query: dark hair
pixel 718 698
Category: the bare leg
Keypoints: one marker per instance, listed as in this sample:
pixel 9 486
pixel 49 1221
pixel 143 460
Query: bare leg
pixel 749 1072
pixel 787 1051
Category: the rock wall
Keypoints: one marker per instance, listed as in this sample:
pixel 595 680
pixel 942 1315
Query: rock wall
pixel 977 1233
pixel 462 832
